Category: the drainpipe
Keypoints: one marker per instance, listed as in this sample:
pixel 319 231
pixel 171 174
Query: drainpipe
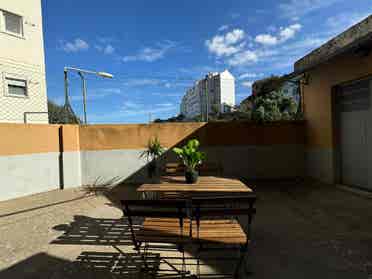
pixel 60 158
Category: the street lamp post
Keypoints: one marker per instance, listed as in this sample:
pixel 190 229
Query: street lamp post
pixel 84 85
pixel 84 88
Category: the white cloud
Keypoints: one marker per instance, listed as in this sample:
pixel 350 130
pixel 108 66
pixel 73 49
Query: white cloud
pixel 74 46
pixel 130 108
pixel 343 21
pixel 166 105
pixel 283 35
pixel 294 9
pixel 249 57
pixel 93 95
pixel 289 32
pixel 223 28
pixel 151 54
pixel 266 39
pixel 141 82
pixel 247 83
pixel 243 58
pixel 131 105
pixel 109 49
pixel 228 44
pixel 249 75
pixel 234 36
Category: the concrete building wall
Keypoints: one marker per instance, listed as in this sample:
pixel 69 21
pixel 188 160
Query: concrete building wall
pixel 318 109
pixel 22 57
pixel 227 90
pixel 217 89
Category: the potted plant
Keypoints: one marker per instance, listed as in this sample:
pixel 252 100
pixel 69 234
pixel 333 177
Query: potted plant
pixel 152 153
pixel 191 157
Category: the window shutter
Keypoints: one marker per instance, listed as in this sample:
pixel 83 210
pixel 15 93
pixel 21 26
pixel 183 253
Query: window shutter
pixel 13 23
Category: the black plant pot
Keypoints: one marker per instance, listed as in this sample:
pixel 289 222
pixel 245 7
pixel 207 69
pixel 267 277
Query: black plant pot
pixel 191 176
pixel 152 169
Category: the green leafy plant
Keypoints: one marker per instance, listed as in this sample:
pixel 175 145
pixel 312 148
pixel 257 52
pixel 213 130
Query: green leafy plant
pixel 190 155
pixel 151 154
pixel 154 150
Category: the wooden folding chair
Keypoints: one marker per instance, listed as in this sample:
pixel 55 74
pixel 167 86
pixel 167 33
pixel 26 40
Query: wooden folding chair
pixel 212 225
pixel 164 222
pixel 174 169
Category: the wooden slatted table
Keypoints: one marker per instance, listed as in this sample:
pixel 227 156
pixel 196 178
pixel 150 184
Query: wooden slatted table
pixel 205 184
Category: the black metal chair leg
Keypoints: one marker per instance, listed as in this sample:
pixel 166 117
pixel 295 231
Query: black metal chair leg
pixel 198 262
pixel 144 258
pixel 243 251
pixel 183 270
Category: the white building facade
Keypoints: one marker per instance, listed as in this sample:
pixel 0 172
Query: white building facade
pixel 213 94
pixel 23 97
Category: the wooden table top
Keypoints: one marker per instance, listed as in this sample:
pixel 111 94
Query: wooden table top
pixel 204 184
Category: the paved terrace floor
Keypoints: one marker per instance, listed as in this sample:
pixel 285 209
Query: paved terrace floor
pixel 300 231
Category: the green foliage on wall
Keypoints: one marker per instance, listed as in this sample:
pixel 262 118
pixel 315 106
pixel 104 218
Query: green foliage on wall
pixel 59 115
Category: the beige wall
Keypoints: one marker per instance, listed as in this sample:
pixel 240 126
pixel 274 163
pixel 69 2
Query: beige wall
pixel 320 158
pixel 317 95
pixel 29 50
pixel 23 58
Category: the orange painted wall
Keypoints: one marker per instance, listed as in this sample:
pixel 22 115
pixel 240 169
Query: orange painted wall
pixel 17 139
pixel 71 137
pixel 317 95
pixel 106 137
pixel 135 136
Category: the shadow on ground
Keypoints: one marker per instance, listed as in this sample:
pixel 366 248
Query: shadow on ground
pixel 302 230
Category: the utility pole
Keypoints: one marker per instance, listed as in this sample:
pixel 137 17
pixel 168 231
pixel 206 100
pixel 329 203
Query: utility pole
pixel 84 88
pixel 67 103
pixel 207 99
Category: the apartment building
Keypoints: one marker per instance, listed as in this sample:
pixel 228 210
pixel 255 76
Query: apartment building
pixel 213 94
pixel 23 96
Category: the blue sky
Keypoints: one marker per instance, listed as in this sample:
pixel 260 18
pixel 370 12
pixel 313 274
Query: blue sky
pixel 156 49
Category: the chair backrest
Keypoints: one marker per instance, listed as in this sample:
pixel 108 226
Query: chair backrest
pixel 155 209
pixel 223 206
pixel 174 169
pixel 210 169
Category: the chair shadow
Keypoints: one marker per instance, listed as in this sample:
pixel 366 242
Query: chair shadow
pixel 117 265
pixel 85 230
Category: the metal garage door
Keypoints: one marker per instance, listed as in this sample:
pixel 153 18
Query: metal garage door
pixel 353 112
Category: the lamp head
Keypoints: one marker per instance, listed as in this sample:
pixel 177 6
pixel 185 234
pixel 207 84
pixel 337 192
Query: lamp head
pixel 105 75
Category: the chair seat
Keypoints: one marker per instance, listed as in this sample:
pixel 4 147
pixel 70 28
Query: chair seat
pixel 164 230
pixel 167 230
pixel 220 231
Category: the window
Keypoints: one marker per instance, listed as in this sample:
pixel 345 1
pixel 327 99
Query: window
pixel 11 23
pixel 16 87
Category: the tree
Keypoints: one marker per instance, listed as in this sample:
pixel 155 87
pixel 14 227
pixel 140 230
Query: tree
pixel 60 115
pixel 273 107
pixel 267 85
